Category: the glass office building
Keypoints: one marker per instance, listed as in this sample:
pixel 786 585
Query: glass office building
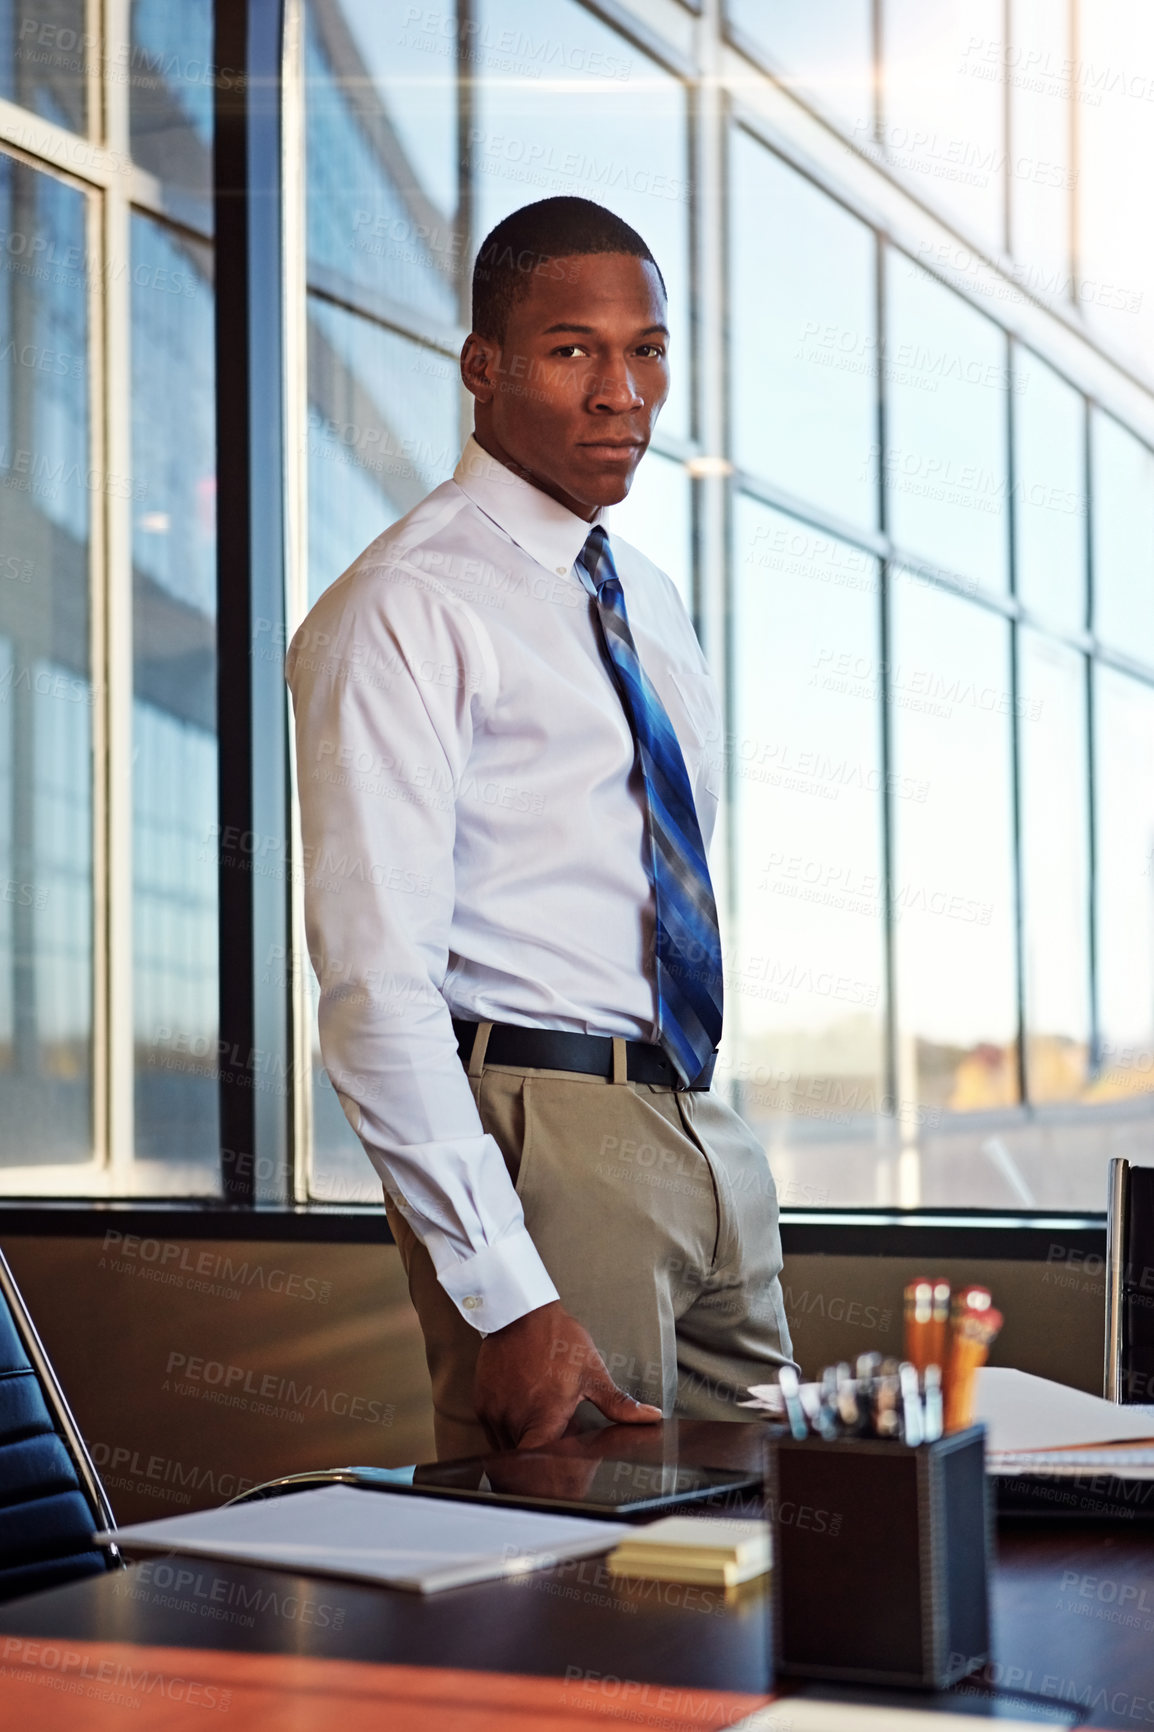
pixel 904 483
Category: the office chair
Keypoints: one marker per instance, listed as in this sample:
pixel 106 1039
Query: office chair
pixel 372 1478
pixel 1129 1372
pixel 51 1497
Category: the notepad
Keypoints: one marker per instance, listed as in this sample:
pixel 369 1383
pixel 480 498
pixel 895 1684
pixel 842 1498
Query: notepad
pixel 694 1549
pixel 800 1714
pixel 1024 1412
pixel 403 1541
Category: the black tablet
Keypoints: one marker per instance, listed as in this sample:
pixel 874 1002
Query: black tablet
pixel 538 1479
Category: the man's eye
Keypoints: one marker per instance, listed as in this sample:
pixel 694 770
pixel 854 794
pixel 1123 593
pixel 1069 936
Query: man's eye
pixel 651 349
pixel 569 349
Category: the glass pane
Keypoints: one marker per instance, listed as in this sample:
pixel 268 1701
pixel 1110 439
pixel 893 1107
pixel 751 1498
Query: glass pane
pixel 944 118
pixel 953 894
pixel 805 986
pixel 174 712
pixel 657 516
pixel 382 433
pixel 575 110
pixel 1124 787
pixel 945 456
pixel 381 148
pixel 1055 820
pixel 1115 132
pixel 824 47
pixel 1049 492
pixel 1123 538
pixel 804 337
pixel 1040 177
pixel 170 101
pixel 42 60
pixel 45 686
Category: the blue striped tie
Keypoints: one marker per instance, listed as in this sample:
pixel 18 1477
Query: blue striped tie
pixel 688 943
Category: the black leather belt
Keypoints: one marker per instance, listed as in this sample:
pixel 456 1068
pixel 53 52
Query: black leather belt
pixel 590 1054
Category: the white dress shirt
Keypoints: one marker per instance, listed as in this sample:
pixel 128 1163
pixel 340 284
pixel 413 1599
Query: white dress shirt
pixel 474 835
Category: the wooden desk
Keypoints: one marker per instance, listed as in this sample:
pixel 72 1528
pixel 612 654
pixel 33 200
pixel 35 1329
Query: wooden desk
pixel 1073 1611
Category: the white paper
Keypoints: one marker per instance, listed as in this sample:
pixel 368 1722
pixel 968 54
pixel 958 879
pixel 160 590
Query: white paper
pixel 1073 1463
pixel 799 1714
pixel 1021 1411
pixel 421 1543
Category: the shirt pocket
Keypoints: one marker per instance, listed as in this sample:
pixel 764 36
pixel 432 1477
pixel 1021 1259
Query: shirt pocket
pixel 701 707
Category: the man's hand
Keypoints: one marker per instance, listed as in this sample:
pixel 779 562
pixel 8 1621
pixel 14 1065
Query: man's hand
pixel 532 1375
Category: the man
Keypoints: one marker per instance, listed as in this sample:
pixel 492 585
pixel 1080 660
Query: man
pixel 504 723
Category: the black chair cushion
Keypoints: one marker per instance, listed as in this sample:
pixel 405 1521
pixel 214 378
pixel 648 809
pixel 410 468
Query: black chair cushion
pixel 23 1409
pixel 12 1354
pixel 46 1522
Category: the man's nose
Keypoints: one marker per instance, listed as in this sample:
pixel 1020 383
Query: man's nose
pixel 613 388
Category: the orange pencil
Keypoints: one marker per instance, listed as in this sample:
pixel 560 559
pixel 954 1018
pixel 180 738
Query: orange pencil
pixel 936 1344
pixel 970 1339
pixel 919 1310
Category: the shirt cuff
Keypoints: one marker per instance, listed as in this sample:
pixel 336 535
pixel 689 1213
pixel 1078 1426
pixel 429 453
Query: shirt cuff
pixel 505 1281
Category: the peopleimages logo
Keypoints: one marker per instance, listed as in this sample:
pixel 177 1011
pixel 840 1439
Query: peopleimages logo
pixel 132 1249
pixel 235 1385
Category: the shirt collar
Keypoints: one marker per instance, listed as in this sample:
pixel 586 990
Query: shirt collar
pixel 544 528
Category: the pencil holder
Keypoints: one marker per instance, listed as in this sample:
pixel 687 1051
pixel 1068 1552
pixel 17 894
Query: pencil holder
pixel 880 1558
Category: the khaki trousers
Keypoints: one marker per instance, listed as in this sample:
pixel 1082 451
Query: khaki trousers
pixel 655 1213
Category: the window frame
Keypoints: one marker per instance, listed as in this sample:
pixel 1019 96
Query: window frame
pixel 259 251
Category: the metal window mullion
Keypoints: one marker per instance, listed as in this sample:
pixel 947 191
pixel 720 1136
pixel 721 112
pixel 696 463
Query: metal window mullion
pixel 1007 135
pixel 708 350
pixel 1021 892
pixel 898 1082
pixel 467 109
pixel 1074 142
pixel 100 360
pixel 100 19
pixel 116 685
pixel 1095 1057
pixel 255 925
pixel 294 169
pixel 55 147
pixel 877 70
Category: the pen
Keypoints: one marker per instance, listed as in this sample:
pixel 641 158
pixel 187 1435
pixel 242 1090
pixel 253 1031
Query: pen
pixel 912 1428
pixel 849 1408
pixel 825 1418
pixel 887 1396
pixel 789 1386
pixel 933 1403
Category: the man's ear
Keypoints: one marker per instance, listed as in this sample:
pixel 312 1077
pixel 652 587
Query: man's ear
pixel 480 358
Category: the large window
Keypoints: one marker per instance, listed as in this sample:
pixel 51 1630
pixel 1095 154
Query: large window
pixel 804 337
pixel 824 51
pixel 108 1012
pixel 46 686
pixel 1123 471
pixel 806 987
pixel 945 455
pixel 1049 493
pixel 407 169
pixel 952 895
pixel 1124 728
pixel 904 483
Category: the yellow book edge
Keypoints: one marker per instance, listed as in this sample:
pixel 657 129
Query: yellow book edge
pixel 698 1575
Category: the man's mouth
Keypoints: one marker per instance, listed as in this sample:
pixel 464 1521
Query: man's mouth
pixel 621 449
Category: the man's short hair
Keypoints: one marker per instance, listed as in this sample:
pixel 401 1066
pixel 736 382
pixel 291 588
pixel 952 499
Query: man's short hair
pixel 527 239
